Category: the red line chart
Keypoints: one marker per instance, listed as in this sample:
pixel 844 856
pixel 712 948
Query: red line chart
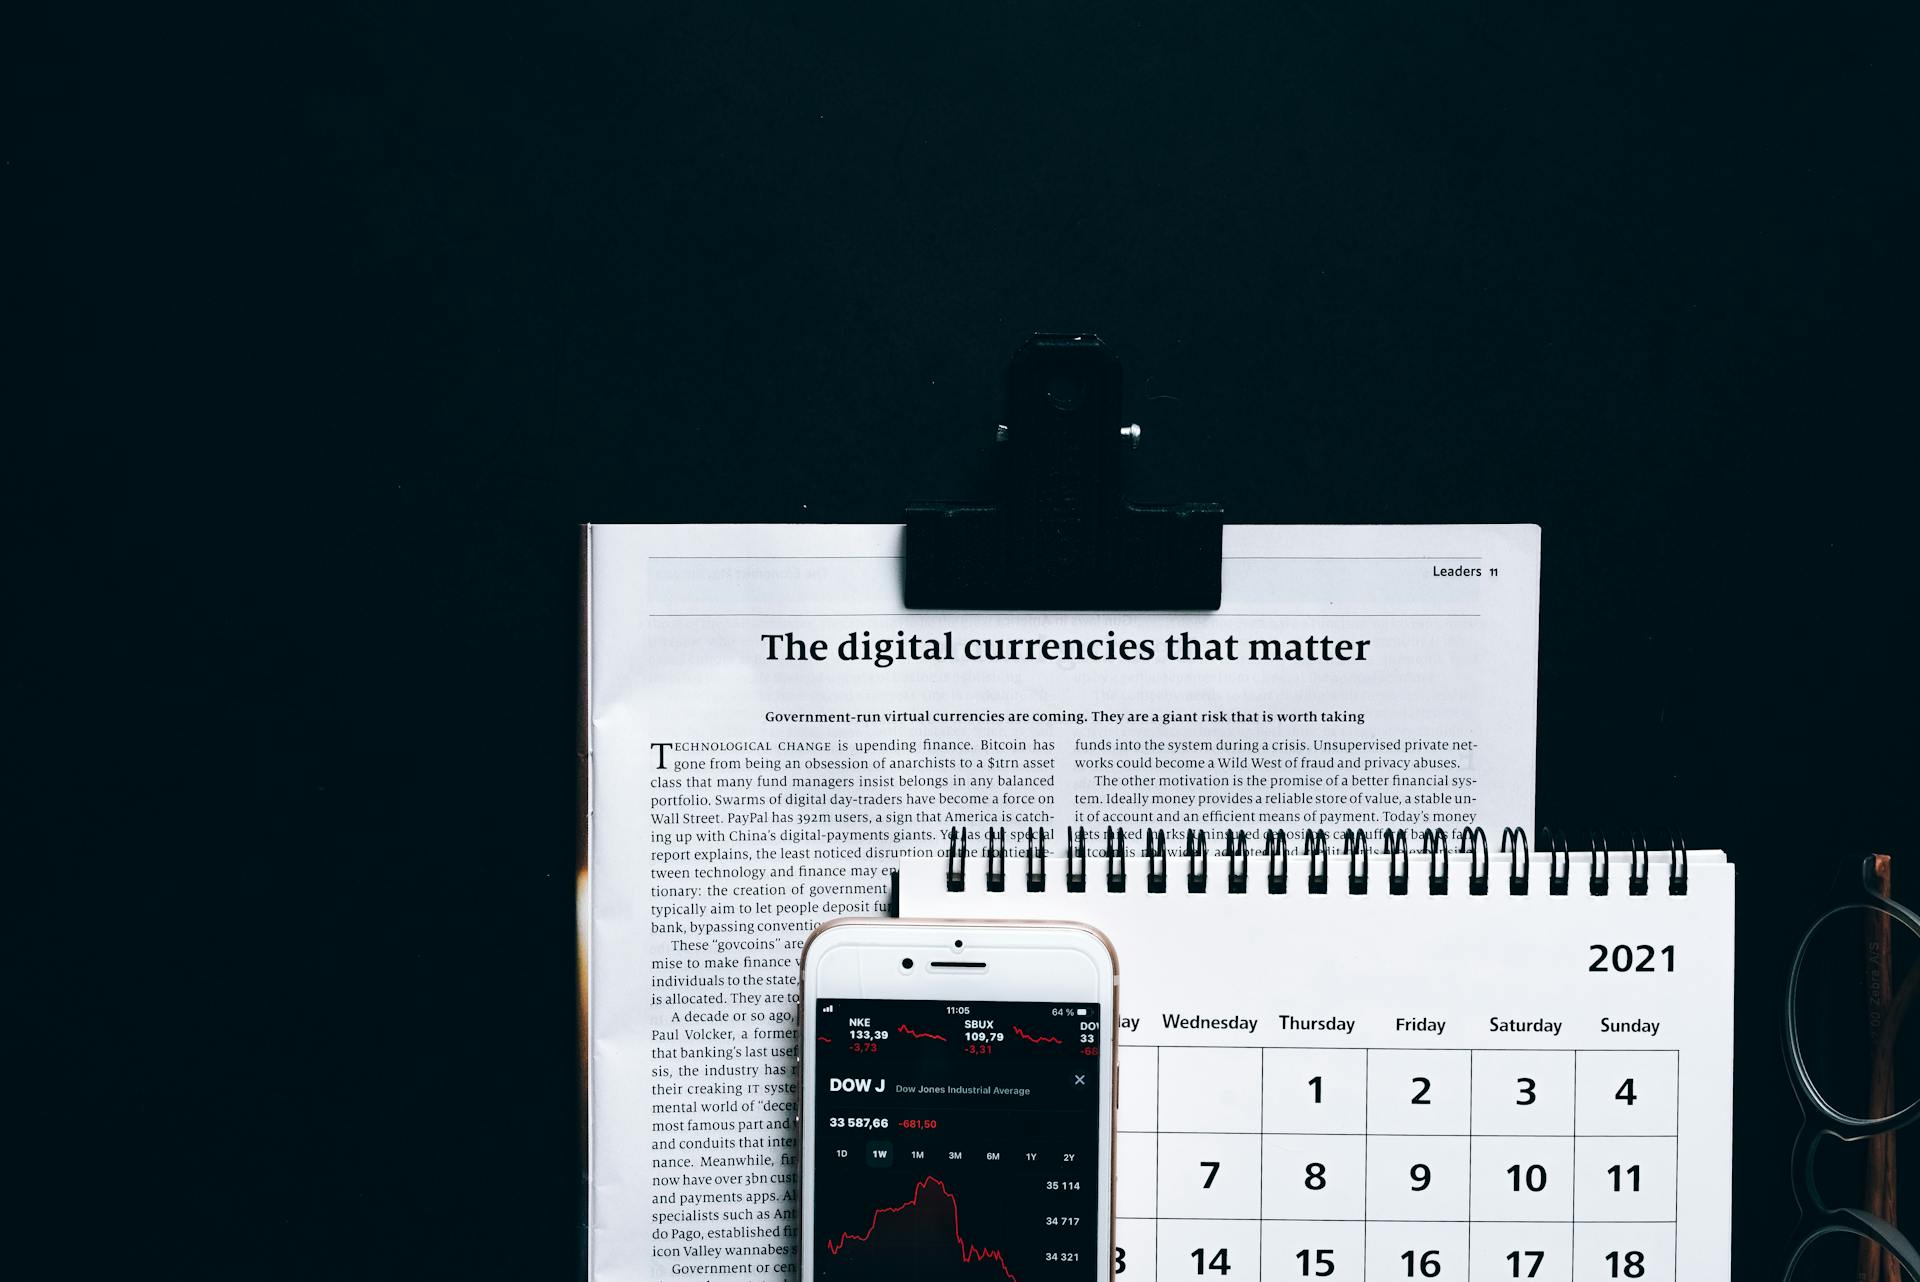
pixel 914 1032
pixel 1024 1035
pixel 968 1252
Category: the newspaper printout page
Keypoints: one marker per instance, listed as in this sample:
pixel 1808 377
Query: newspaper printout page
pixel 770 732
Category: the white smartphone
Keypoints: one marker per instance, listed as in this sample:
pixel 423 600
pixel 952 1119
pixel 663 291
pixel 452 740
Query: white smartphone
pixel 957 1097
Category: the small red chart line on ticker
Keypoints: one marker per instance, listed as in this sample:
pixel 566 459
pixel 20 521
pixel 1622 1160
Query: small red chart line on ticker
pixel 914 1032
pixel 968 1252
pixel 1024 1035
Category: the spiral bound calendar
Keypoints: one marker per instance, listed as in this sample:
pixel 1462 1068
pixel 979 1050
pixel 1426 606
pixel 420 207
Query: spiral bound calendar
pixel 1401 1063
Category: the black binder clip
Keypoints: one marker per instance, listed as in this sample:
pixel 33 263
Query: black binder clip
pixel 1037 862
pixel 1599 867
pixel 996 861
pixel 1077 862
pixel 1395 844
pixel 1196 862
pixel 957 859
pixel 1433 843
pixel 1639 864
pixel 1677 870
pixel 1116 860
pixel 1276 862
pixel 1514 841
pixel 1061 534
pixel 1479 853
pixel 1237 861
pixel 1559 864
pixel 1356 852
pixel 1156 861
pixel 1317 860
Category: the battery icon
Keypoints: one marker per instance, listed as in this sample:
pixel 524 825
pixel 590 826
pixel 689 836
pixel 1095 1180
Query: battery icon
pixel 1081 1011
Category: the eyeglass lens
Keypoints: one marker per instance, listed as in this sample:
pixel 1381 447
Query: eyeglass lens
pixel 1857 1014
pixel 1843 1257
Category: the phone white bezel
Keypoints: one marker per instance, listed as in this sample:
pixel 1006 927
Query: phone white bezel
pixel 1027 961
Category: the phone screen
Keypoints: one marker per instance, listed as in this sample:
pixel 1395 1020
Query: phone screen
pixel 956 1140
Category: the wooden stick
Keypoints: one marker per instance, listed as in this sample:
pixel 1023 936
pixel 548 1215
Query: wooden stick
pixel 1885 1011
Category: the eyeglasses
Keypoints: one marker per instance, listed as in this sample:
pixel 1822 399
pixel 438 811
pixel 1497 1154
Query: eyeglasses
pixel 1851 1032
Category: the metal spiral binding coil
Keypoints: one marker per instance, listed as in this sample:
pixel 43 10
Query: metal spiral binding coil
pixel 1355 843
pixel 1433 844
pixel 1317 859
pixel 1276 862
pixel 1639 864
pixel 1037 862
pixel 1237 863
pixel 1156 861
pixel 1395 844
pixel 1479 853
pixel 1436 844
pixel 1514 841
pixel 996 857
pixel 1559 865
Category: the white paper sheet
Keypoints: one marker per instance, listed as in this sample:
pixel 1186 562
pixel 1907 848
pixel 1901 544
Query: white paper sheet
pixel 742 791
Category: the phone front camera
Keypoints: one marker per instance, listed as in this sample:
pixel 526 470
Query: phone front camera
pixel 958 944
pixel 906 963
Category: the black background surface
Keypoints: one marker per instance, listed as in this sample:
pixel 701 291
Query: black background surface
pixel 399 294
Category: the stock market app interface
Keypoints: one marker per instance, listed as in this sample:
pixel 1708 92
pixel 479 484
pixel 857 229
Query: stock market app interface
pixel 956 1140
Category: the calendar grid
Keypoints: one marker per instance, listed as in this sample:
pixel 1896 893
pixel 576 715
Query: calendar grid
pixel 1378 1219
pixel 1469 1161
pixel 1158 1086
pixel 1345 1200
pixel 1387 1135
pixel 1260 1184
pixel 1573 1206
pixel 1676 1163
